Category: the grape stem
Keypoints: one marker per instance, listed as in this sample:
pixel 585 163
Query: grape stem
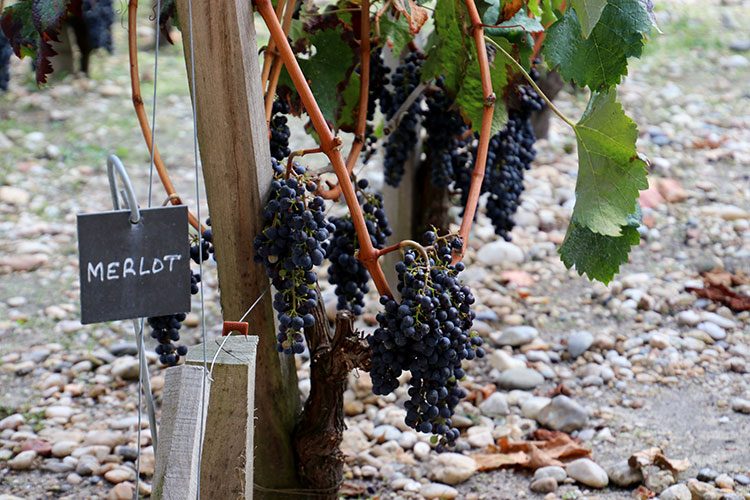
pixel 531 81
pixel 301 152
pixel 270 53
pixel 392 124
pixel 273 81
pixel 140 111
pixel 364 94
pixel 477 175
pixel 328 143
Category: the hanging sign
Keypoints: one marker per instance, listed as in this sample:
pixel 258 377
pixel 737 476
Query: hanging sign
pixel 134 270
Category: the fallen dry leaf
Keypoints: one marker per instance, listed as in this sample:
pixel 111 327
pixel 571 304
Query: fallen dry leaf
pixel 718 277
pixel 720 293
pixel 655 456
pixel 643 493
pixel 349 489
pixel 548 448
pixel 558 390
pixel 519 278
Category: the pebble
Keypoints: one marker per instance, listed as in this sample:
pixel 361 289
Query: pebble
pixel 74 479
pixel 14 196
pixel 452 468
pixel 588 472
pixel 122 491
pixel 563 414
pixel 495 406
pixel 676 492
pixel 715 331
pixel 123 348
pixel 59 412
pixel 436 490
pixel 688 318
pixel 42 448
pixel 87 465
pixel 579 342
pixel 543 485
pixel 57 466
pixel 514 336
pixel 421 450
pixel 741 405
pixel 553 471
pixel 126 367
pixel 104 438
pixel 408 439
pixel 127 453
pixel 531 407
pixel 23 460
pixel 742 479
pixel 724 481
pixel 520 378
pixel 500 252
pixel 480 437
pixel 503 361
pixel 703 491
pixel 12 421
pixel 625 476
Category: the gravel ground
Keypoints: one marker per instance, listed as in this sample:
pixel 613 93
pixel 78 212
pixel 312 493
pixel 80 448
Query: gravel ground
pixel 644 362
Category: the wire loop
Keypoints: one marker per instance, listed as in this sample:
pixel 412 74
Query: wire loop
pixel 114 164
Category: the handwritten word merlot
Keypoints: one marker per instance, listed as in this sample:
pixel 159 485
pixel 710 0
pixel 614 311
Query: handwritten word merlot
pixel 116 270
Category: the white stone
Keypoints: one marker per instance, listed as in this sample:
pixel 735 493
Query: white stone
pixel 61 412
pixel 63 448
pixel 533 405
pixel 126 367
pixel 514 336
pixel 480 437
pixel 23 460
pixel 715 331
pixel 452 468
pixel 435 490
pixel 12 421
pixel 676 492
pixel 422 450
pixel 14 196
pixel 717 319
pixel 503 361
pixel 558 473
pixel 500 252
pixel 688 318
pixel 495 406
pixel 578 342
pixel 408 439
pixel 588 472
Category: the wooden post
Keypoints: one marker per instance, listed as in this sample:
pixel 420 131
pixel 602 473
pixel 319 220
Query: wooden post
pixel 227 463
pixel 235 154
pixel 177 456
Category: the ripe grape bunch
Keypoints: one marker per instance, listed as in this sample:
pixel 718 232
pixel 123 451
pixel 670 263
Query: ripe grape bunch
pixel 427 333
pixel 279 139
pixel 401 140
pixel 289 245
pixel 166 329
pixel 5 52
pixel 346 271
pixel 98 15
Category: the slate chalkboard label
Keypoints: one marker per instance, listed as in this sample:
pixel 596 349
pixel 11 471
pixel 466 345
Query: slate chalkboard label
pixel 134 270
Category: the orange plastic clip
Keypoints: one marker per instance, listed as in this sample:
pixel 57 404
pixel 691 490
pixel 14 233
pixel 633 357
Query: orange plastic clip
pixel 235 326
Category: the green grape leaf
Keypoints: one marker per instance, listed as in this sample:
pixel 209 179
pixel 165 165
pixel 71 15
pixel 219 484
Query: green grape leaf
pixel 328 70
pixel 396 33
pixel 470 98
pixel 601 59
pixel 588 12
pixel 490 13
pixel 519 23
pixel 549 13
pixel 599 255
pixel 610 171
pixel 449 47
pixel 535 7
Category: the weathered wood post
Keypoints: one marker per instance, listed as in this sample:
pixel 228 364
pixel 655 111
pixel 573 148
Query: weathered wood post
pixel 235 154
pixel 184 408
pixel 227 462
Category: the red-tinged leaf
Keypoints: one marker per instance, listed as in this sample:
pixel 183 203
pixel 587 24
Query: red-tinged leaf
pixel 43 56
pixel 47 15
pixel 415 14
pixel 19 28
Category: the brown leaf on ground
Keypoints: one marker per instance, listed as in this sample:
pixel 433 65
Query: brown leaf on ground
pixel 718 277
pixel 560 389
pixel 548 448
pixel 655 456
pixel 671 190
pixel 720 293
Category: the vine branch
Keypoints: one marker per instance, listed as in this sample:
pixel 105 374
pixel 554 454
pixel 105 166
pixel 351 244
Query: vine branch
pixel 364 94
pixel 477 175
pixel 140 112
pixel 277 62
pixel 328 143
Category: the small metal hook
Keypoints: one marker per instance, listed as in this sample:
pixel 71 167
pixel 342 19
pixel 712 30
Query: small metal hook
pixel 113 162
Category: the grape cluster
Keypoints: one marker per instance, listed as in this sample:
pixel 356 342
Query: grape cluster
pixel 511 151
pixel 401 140
pixel 346 271
pixel 204 249
pixel 427 333
pixel 289 245
pixel 98 15
pixel 166 330
pixel 445 143
pixel 279 130
pixel 5 52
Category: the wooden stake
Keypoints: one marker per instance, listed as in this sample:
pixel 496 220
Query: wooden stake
pixel 235 155
pixel 177 457
pixel 227 464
